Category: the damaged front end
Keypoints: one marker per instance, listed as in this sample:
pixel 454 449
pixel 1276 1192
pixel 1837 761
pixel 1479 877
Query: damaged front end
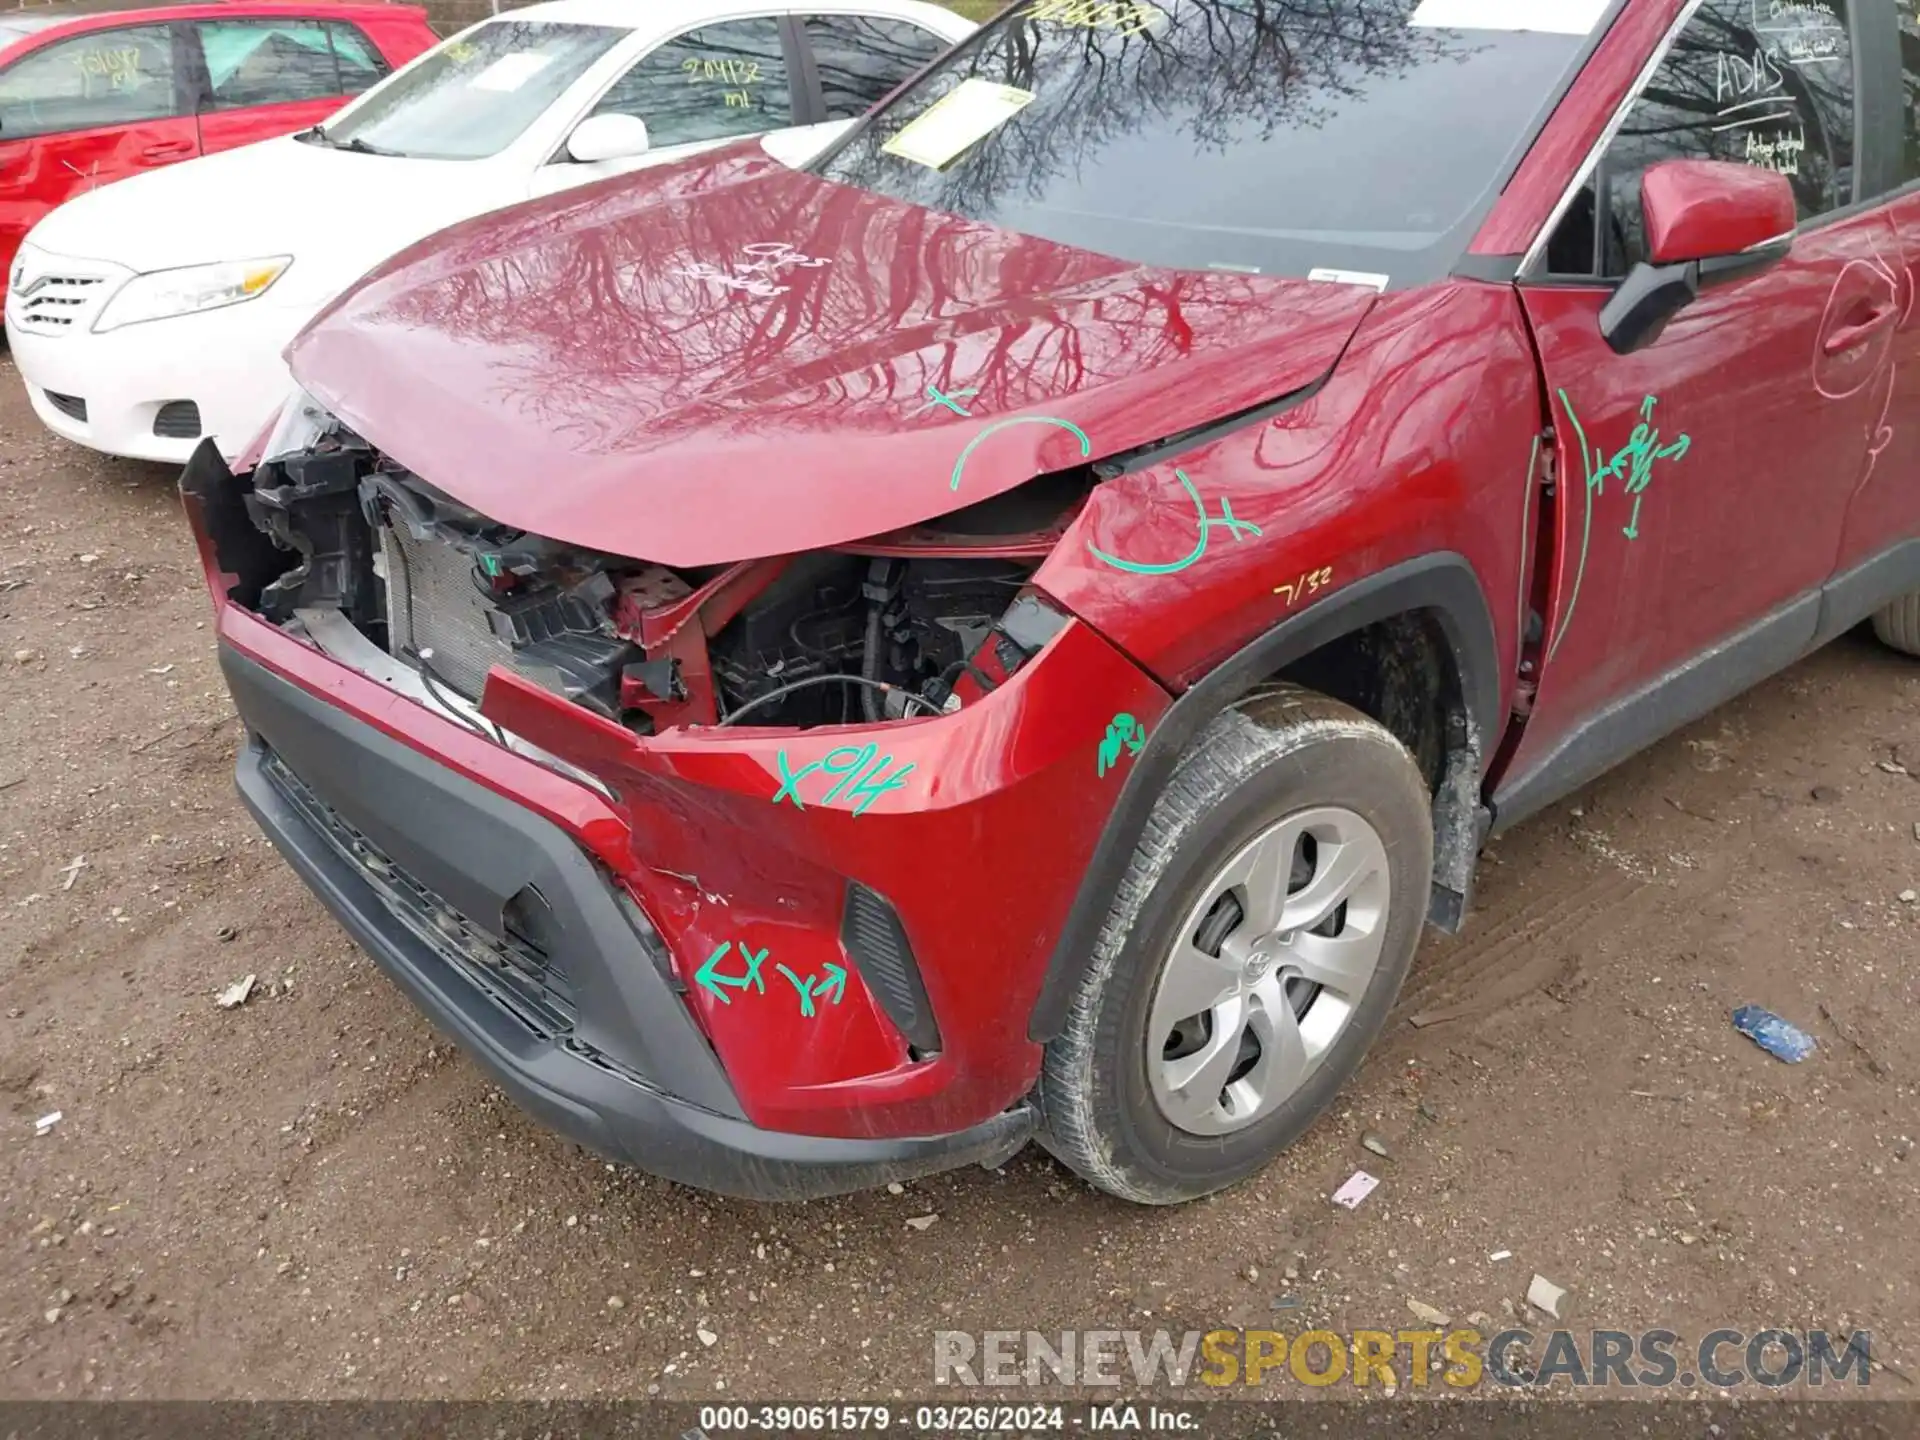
pixel 842 798
pixel 913 624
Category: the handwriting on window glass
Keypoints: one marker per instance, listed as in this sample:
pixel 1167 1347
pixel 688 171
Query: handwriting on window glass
pixel 1204 525
pixel 117 67
pixel 1128 17
pixel 1631 464
pixel 764 263
pixel 861 767
pixel 1308 583
pixel 727 71
pixel 1123 732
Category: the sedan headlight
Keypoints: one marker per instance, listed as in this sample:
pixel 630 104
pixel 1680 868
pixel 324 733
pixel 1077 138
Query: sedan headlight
pixel 163 293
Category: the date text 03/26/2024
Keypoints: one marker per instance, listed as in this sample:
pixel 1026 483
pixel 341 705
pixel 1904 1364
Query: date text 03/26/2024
pixel 959 1419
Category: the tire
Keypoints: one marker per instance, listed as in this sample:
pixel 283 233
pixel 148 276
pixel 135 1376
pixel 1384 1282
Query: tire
pixel 1284 759
pixel 1898 624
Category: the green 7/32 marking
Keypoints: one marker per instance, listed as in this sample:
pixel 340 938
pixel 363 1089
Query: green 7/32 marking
pixel 1633 463
pixel 860 766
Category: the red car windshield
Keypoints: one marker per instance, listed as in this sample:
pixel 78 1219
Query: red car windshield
pixel 1273 136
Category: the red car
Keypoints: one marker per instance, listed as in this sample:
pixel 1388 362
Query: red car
pixel 91 93
pixel 1011 630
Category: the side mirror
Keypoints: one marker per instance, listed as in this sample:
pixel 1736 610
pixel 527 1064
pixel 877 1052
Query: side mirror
pixel 1708 222
pixel 608 137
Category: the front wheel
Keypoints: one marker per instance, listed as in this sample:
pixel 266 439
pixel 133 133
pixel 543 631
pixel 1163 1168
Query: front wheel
pixel 1251 953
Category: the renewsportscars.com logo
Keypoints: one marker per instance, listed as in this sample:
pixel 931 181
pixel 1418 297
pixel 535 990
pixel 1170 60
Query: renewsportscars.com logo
pixel 1396 1359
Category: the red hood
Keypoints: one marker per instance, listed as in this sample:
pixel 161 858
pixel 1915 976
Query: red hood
pixel 557 368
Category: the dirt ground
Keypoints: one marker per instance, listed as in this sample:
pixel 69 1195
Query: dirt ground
pixel 312 1196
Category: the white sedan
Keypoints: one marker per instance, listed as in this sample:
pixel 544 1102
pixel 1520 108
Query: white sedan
pixel 153 312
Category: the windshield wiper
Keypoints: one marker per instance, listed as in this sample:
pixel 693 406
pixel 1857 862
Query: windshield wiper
pixel 317 135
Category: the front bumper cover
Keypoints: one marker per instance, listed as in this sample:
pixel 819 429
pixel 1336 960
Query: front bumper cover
pixel 403 850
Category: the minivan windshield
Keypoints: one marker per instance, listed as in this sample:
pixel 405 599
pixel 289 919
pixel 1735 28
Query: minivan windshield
pixel 1279 137
pixel 473 95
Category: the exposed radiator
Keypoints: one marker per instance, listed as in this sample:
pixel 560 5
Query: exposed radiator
pixel 434 605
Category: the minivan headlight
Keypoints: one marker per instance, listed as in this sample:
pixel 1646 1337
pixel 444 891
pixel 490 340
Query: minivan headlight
pixel 160 294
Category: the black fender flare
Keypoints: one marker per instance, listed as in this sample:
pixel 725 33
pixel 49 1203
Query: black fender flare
pixel 1443 585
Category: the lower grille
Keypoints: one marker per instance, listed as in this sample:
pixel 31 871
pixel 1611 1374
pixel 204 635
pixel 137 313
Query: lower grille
pixel 435 609
pixel 71 406
pixel 177 420
pixel 514 973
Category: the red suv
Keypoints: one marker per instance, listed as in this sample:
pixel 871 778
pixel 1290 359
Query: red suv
pixel 95 92
pixel 1011 630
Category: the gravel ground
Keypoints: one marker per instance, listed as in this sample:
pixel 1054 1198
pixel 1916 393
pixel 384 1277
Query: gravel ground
pixel 311 1195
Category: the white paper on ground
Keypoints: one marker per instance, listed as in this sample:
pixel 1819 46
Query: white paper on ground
pixel 1555 17
pixel 957 120
pixel 1359 1185
pixel 510 72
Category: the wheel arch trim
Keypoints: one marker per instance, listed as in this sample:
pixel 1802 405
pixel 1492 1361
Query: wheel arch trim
pixel 1443 585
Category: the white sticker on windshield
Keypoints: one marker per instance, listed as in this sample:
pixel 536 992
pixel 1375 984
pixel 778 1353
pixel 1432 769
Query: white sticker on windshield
pixel 1368 278
pixel 510 72
pixel 1555 17
pixel 974 109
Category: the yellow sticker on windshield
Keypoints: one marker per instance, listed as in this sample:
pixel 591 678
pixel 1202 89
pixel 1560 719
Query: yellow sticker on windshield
pixel 973 110
pixel 1128 17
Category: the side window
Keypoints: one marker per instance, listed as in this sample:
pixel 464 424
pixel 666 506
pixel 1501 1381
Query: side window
pixel 361 66
pixel 1758 82
pixel 108 77
pixel 267 62
pixel 710 84
pixel 861 58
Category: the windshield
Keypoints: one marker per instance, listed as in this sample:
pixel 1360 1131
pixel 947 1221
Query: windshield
pixel 1274 136
pixel 475 94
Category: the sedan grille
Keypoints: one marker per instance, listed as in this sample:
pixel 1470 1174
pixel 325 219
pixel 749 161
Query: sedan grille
pixel 56 304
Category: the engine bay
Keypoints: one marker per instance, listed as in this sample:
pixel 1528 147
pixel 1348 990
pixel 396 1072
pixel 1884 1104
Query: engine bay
pixel 889 628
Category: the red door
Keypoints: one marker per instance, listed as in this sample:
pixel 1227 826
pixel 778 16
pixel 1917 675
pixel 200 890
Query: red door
pixel 1704 480
pixel 265 77
pixel 82 111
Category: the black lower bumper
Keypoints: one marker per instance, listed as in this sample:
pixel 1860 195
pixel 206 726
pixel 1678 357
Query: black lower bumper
pixel 515 945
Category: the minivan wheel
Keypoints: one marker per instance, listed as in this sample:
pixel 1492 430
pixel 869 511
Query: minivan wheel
pixel 1898 624
pixel 1251 952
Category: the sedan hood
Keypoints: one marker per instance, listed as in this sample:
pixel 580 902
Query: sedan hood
pixel 727 359
pixel 334 211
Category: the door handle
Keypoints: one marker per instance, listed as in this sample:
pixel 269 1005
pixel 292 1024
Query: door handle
pixel 167 150
pixel 1851 337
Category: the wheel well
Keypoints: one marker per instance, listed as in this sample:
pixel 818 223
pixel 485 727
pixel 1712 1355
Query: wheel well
pixel 1399 671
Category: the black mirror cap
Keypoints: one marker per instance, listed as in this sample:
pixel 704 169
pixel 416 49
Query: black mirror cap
pixel 1637 312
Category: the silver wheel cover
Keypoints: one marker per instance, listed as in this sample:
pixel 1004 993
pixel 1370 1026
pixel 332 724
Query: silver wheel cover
pixel 1237 1027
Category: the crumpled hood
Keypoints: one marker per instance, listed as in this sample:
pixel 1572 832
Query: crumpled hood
pixel 335 211
pixel 728 359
